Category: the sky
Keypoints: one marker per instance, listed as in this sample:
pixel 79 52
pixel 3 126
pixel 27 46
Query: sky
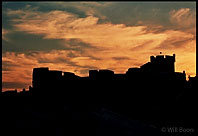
pixel 79 36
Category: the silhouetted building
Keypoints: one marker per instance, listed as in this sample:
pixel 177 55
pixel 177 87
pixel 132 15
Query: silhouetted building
pixel 93 73
pixel 40 78
pixel 160 71
pixel 160 63
pixel 193 82
pixel 120 77
pixel 134 73
pixel 159 68
pixel 10 93
pixel 151 91
pixel 69 76
pixel 101 74
pixel 105 74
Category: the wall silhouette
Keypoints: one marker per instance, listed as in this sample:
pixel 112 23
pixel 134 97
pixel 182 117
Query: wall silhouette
pixel 153 81
pixel 154 94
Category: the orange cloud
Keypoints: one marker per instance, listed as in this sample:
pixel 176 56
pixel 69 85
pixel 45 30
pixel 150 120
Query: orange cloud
pixel 110 41
pixel 17 67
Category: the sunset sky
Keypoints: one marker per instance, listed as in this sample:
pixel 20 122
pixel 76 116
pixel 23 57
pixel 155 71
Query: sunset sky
pixel 79 36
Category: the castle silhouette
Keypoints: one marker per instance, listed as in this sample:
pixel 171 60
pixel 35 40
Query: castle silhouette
pixel 155 80
pixel 154 94
pixel 160 68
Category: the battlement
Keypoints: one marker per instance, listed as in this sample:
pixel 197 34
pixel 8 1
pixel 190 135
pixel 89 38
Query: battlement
pixel 102 73
pixel 160 63
pixel 162 58
pixel 157 67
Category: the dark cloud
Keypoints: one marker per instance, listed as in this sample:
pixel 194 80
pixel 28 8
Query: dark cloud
pixel 32 53
pixel 121 58
pixel 13 85
pixel 155 28
pixel 72 7
pixel 54 60
pixel 16 5
pixel 23 42
pixel 7 65
pixel 62 61
pixel 141 46
pixel 67 6
pixel 72 55
pixel 173 43
pixel 77 44
pixel 6 21
pixel 128 13
pixel 132 13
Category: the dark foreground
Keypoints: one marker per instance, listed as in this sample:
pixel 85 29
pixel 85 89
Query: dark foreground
pixel 105 114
